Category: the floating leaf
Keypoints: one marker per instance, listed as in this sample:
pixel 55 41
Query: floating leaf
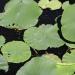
pixel 65 69
pixel 2 41
pixel 52 57
pixel 70 45
pixel 20 14
pixel 53 4
pixel 38 66
pixel 16 51
pixel 43 37
pixel 3 63
pixel 43 3
pixel 68 22
pixel 69 57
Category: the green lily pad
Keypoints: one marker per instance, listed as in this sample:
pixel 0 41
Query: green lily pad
pixel 43 3
pixel 43 37
pixel 20 14
pixel 3 63
pixel 16 51
pixel 53 4
pixel 52 57
pixel 70 45
pixel 69 57
pixel 38 66
pixel 68 22
pixel 65 69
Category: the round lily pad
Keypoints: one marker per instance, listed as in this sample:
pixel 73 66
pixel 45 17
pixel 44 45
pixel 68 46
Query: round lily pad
pixel 16 51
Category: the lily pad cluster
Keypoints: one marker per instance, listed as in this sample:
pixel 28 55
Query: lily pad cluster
pixel 23 15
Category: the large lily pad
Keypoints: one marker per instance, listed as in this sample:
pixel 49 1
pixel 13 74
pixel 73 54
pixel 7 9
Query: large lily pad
pixel 68 22
pixel 43 37
pixel 38 66
pixel 20 14
pixel 3 63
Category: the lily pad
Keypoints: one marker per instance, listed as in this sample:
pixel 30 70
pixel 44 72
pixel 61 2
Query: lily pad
pixel 38 66
pixel 69 57
pixel 16 51
pixel 20 14
pixel 65 69
pixel 68 22
pixel 43 37
pixel 53 4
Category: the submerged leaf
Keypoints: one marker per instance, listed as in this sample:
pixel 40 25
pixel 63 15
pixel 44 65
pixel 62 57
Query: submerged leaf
pixel 16 51
pixel 43 37
pixel 20 14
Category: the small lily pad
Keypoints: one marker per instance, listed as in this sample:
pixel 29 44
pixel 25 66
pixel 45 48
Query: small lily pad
pixel 16 51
